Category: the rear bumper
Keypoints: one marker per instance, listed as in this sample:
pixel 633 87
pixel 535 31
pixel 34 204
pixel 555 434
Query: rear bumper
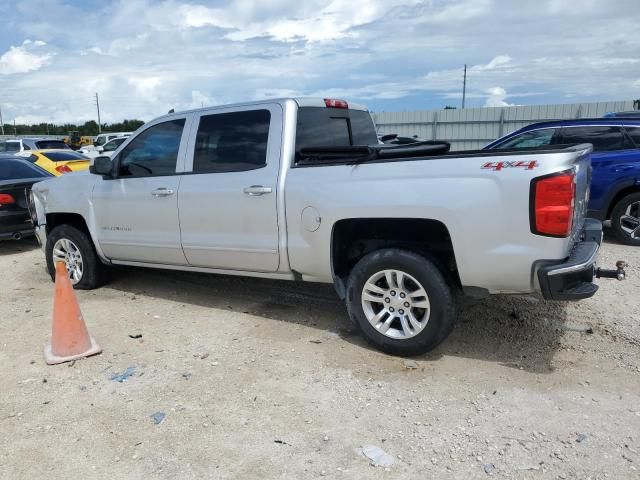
pixel 16 235
pixel 572 279
pixel 15 224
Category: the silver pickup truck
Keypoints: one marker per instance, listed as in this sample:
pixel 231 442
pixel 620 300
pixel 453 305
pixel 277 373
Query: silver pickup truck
pixel 299 189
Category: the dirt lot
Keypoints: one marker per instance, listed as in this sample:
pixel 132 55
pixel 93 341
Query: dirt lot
pixel 261 379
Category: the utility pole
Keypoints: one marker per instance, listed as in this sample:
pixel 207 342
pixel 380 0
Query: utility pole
pixel 1 122
pixel 98 107
pixel 464 85
pixel 15 132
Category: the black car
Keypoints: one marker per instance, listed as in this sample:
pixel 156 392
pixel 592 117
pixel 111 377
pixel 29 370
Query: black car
pixel 16 177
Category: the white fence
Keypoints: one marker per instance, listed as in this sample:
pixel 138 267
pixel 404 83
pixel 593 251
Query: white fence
pixel 473 128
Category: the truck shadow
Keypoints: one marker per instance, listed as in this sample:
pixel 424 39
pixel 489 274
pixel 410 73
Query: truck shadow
pixel 11 247
pixel 516 332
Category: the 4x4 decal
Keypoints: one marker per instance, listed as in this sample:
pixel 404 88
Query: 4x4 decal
pixel 514 164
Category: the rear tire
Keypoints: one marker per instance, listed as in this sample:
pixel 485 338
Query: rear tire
pixel 625 217
pixel 75 247
pixel 408 306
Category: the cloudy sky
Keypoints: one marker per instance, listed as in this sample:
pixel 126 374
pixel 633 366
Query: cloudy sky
pixel 144 57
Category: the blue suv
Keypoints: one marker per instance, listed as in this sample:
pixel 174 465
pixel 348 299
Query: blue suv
pixel 615 184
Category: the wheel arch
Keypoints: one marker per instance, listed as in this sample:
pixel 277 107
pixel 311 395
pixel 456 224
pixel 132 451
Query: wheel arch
pixel 78 221
pixel 353 238
pixel 619 195
pixel 74 219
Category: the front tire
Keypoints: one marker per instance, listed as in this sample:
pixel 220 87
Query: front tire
pixel 625 220
pixel 401 302
pixel 74 247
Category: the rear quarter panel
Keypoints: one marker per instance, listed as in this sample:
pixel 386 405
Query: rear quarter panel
pixel 486 211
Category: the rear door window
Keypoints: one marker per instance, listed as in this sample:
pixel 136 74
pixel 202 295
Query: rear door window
pixel 602 138
pixel 331 127
pixel 634 133
pixel 232 142
pixel 531 139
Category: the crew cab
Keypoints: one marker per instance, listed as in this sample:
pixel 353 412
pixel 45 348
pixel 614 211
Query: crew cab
pixel 615 186
pixel 300 189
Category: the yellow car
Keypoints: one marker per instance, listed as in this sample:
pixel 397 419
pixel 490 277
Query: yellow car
pixel 57 162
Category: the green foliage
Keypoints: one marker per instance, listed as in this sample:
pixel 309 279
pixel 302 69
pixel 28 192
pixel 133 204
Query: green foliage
pixel 88 128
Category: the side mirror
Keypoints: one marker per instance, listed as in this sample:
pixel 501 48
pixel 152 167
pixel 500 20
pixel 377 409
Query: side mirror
pixel 102 166
pixel 100 149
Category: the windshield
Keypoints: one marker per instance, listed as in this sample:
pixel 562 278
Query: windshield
pixel 113 144
pixel 100 140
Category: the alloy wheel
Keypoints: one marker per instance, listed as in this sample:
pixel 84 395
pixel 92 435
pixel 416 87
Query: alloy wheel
pixel 395 304
pixel 64 250
pixel 630 220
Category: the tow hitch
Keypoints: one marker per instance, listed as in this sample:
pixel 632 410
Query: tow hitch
pixel 618 273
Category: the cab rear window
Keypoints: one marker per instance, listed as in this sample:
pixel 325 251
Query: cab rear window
pixel 331 127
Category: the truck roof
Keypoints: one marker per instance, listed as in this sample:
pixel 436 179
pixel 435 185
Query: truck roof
pixel 301 101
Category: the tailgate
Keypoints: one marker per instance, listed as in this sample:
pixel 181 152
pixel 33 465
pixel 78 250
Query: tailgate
pixel 583 182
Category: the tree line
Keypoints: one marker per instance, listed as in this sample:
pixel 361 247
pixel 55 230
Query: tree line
pixel 88 128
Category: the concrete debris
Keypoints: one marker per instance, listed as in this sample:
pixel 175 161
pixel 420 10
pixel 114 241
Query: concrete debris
pixel 378 457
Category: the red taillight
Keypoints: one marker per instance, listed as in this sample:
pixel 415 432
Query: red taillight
pixel 63 169
pixel 553 204
pixel 6 199
pixel 334 103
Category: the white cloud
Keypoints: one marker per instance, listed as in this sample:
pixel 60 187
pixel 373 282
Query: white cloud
pixel 146 56
pixel 22 59
pixel 199 99
pixel 320 23
pixel 497 98
pixel 146 86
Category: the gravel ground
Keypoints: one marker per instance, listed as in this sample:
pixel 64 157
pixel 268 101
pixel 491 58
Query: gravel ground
pixel 263 379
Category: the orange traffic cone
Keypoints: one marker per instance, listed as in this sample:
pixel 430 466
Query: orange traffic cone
pixel 70 339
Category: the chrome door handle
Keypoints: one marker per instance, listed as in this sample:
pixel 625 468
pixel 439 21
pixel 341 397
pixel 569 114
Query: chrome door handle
pixel 162 192
pixel 254 190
